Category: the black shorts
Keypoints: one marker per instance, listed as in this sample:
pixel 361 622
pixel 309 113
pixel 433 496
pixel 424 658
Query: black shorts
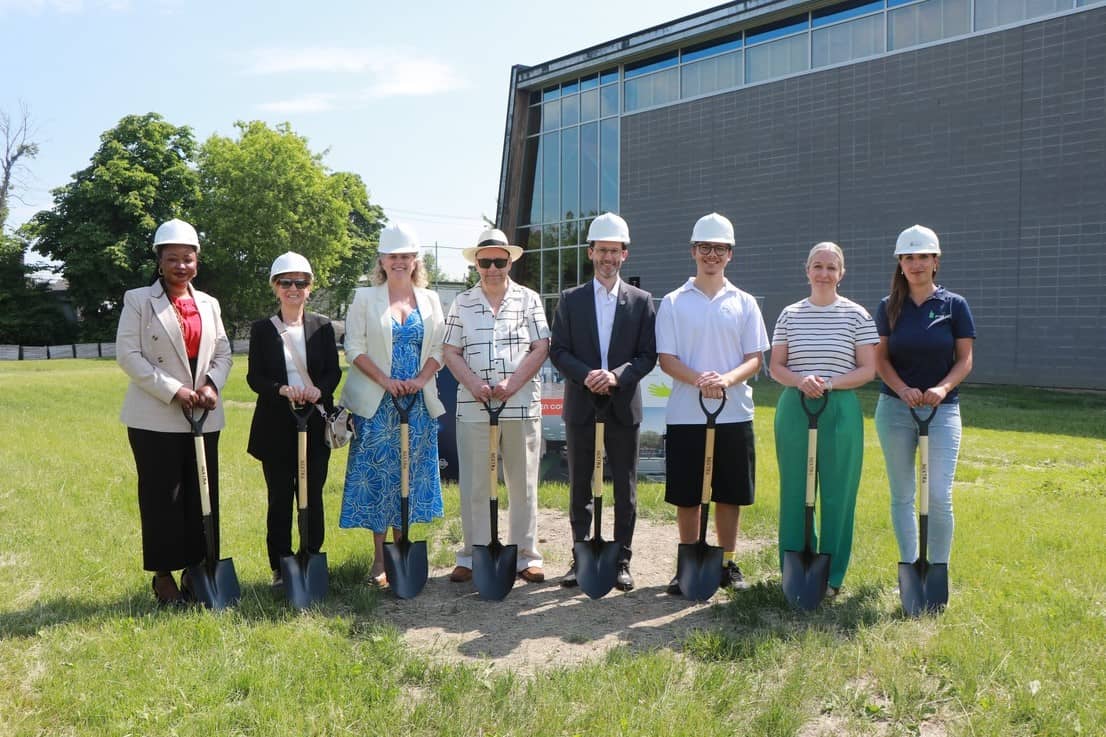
pixel 733 480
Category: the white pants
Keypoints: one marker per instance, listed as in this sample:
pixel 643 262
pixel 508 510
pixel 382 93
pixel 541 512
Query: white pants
pixel 519 444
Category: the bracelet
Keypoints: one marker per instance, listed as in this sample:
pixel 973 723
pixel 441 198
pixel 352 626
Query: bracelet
pixel 829 385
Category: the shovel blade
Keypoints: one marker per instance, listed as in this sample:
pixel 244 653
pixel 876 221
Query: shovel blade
pixel 805 578
pixel 493 569
pixel 306 579
pixel 596 565
pixel 923 587
pixel 699 570
pixel 215 588
pixel 406 565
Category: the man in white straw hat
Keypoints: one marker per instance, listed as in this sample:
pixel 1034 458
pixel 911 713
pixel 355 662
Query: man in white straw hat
pixel 495 343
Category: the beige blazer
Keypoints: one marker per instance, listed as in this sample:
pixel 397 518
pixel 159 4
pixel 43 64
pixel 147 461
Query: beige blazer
pixel 150 348
pixel 369 333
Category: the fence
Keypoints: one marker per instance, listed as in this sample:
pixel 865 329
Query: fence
pixel 81 350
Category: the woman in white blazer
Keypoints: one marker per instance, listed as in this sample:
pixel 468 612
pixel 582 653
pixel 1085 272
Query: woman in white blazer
pixel 393 345
pixel 172 345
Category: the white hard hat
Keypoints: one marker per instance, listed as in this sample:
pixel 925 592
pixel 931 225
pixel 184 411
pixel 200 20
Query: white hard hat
pixel 917 239
pixel 608 227
pixel 290 263
pixel 492 238
pixel 398 238
pixel 713 228
pixel 177 233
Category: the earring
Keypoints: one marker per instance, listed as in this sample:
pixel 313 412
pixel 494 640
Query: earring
pixel 160 272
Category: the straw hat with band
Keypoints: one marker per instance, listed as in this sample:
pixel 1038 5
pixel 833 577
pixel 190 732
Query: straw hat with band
pixel 492 238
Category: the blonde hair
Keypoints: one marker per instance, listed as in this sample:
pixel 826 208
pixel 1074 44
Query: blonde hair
pixel 418 274
pixel 827 246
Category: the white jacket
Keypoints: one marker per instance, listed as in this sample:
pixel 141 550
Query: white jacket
pixel 150 348
pixel 369 333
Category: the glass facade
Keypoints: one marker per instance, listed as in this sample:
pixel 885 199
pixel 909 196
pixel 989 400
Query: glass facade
pixel 571 169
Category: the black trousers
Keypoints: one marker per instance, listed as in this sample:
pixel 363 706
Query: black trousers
pixel 621 445
pixel 281 478
pixel 169 497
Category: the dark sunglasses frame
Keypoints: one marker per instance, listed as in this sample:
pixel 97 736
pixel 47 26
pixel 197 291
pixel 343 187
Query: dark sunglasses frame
pixel 487 263
pixel 288 283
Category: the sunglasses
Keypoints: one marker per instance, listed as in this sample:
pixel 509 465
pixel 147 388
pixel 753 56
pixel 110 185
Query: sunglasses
pixel 297 283
pixel 706 249
pixel 487 263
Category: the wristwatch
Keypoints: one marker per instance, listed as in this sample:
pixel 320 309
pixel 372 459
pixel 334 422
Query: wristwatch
pixel 829 385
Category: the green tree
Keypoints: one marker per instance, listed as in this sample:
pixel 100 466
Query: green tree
pixel 29 313
pixel 102 221
pixel 363 225
pixel 263 194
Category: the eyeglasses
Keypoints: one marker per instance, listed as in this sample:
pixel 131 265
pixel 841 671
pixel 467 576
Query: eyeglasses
pixel 289 283
pixel 718 249
pixel 487 263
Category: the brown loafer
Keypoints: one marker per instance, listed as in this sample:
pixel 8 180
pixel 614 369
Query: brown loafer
pixel 532 574
pixel 461 574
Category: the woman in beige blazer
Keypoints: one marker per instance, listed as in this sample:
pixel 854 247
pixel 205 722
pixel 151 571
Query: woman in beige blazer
pixel 393 345
pixel 172 345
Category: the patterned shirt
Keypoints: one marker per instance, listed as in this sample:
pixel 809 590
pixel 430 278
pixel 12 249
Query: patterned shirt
pixel 822 339
pixel 493 345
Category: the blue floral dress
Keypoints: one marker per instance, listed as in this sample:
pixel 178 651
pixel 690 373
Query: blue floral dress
pixel 372 492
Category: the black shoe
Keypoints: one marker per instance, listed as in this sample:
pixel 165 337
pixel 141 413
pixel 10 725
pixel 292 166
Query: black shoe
pixel 624 581
pixel 674 587
pixel 568 580
pixel 732 578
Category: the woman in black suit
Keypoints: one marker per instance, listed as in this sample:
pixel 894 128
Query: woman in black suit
pixel 273 375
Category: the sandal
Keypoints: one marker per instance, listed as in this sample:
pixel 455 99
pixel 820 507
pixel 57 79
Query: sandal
pixel 163 601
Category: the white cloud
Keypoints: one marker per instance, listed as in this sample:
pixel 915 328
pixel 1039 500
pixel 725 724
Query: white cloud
pixel 313 103
pixel 390 72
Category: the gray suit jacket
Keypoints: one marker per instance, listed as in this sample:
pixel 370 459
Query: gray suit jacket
pixel 574 350
pixel 150 348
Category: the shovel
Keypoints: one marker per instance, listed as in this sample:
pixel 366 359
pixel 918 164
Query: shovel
pixel 596 559
pixel 698 565
pixel 305 575
pixel 923 586
pixel 493 565
pixel 213 582
pixel 405 562
pixel 806 572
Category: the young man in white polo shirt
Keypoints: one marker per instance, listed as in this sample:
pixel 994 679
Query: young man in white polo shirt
pixel 710 339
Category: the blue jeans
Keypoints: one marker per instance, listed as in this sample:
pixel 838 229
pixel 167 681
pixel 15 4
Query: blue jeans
pixel 898 436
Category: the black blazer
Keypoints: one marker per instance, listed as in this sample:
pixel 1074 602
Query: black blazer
pixel 574 350
pixel 273 430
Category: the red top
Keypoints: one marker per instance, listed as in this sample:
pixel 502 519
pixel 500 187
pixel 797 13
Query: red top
pixel 190 325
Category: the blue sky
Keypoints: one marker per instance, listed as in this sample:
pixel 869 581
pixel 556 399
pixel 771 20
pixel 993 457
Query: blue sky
pixel 410 95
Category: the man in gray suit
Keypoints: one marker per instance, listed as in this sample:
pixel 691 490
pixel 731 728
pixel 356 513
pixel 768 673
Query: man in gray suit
pixel 603 342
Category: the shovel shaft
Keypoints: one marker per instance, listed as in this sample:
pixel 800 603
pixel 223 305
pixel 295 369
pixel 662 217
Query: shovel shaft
pixel 404 460
pixel 708 466
pixel 301 467
pixel 811 465
pixel 597 466
pixel 201 473
pixel 923 475
pixel 493 462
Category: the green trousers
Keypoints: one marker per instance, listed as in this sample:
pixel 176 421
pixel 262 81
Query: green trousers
pixel 840 458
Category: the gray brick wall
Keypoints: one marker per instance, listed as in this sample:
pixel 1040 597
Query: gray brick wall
pixel 997 142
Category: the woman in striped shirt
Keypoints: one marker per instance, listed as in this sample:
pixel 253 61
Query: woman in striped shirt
pixel 822 348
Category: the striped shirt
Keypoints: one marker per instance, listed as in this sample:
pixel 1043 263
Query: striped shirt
pixel 823 340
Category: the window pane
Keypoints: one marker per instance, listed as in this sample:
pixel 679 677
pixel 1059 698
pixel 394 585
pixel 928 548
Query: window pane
pixel 551 93
pixel 608 100
pixel 532 238
pixel 589 169
pixel 654 89
pixel 569 264
pixel 608 76
pixel 708 75
pixel 570 110
pixel 775 59
pixel 846 41
pixel 550 271
pixel 586 269
pixel 550 235
pixel 551 115
pixel 589 105
pixel 533 120
pixel 844 11
pixel 570 172
pixel 608 165
pixel 531 195
pixel 710 48
pixel 654 64
pixel 551 178
pixel 588 83
pixel 779 29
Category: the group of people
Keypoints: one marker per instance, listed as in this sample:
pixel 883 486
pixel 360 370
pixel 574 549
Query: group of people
pixel 708 335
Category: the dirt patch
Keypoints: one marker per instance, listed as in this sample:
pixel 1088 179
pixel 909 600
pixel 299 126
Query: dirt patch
pixel 544 625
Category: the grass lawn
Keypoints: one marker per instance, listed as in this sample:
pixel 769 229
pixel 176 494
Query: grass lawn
pixel 1020 651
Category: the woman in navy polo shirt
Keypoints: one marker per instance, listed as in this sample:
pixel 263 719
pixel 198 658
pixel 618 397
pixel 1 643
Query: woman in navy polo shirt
pixel 925 351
